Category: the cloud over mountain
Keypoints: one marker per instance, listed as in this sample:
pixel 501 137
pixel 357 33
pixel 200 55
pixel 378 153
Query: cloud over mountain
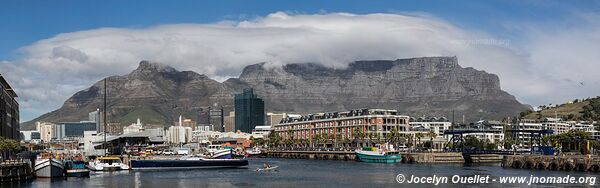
pixel 50 70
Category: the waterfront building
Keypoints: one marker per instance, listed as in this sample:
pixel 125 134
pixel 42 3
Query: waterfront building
pixel 9 111
pixel 556 124
pixel 70 130
pixel 229 122
pixel 46 130
pixel 97 117
pixel 261 131
pixel 586 127
pixel 493 131
pixel 524 138
pixel 342 125
pixel 30 135
pixel 134 127
pixel 249 111
pixel 437 125
pixel 274 118
pixel 179 134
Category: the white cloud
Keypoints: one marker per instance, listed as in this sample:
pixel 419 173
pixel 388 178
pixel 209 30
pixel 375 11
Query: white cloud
pixel 51 70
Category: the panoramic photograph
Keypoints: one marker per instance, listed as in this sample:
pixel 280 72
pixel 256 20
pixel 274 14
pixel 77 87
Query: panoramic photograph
pixel 281 93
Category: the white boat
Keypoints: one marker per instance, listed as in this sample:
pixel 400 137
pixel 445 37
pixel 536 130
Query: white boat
pixel 222 154
pixel 253 151
pixel 267 169
pixel 49 168
pixel 107 164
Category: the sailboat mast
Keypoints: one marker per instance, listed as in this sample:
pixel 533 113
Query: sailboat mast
pixel 104 128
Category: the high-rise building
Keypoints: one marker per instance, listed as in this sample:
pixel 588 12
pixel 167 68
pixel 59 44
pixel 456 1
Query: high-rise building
pixel 9 111
pixel 96 116
pixel 249 111
pixel 229 122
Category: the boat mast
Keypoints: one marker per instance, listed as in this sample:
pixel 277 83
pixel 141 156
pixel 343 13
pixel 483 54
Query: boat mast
pixel 104 129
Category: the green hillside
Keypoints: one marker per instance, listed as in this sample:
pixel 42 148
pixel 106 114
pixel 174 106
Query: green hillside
pixel 586 109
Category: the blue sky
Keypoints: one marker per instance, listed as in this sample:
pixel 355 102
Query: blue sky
pixel 546 54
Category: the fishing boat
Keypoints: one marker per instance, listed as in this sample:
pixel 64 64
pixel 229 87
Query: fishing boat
pixel 76 169
pixel 48 168
pixel 188 162
pixel 381 154
pixel 107 163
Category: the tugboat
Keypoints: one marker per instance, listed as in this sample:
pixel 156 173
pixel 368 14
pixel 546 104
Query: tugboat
pixel 382 154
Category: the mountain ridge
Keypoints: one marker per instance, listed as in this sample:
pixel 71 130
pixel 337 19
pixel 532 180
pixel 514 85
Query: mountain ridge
pixel 431 86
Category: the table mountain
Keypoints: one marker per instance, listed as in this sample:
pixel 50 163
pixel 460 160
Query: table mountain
pixel 430 86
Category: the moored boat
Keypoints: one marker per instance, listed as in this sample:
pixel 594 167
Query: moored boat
pixel 378 155
pixel 191 162
pixel 48 168
pixel 76 169
pixel 107 164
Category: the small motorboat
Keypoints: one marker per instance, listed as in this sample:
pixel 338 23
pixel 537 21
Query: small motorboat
pixel 107 164
pixel 76 169
pixel 272 168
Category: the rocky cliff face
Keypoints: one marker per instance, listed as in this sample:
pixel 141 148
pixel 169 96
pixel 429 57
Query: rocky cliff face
pixel 156 93
pixel 431 86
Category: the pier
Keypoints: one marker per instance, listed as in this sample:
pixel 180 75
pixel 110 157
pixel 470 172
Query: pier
pixel 582 163
pixel 15 170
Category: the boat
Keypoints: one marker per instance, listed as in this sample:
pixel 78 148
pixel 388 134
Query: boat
pixel 382 154
pixel 187 162
pixel 107 163
pixel 48 168
pixel 267 169
pixel 253 151
pixel 76 169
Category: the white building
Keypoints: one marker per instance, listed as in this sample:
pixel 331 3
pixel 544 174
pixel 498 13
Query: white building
pixel 31 135
pixel 46 130
pixel 261 131
pixel 134 127
pixel 525 125
pixel 179 134
pixel 437 125
pixel 556 124
pixel 89 137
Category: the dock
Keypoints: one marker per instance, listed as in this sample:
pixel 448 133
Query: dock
pixel 15 171
pixel 582 163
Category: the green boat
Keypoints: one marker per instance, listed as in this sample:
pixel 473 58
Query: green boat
pixel 377 155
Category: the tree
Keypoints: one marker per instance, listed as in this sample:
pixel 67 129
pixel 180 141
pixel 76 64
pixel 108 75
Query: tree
pixel 8 146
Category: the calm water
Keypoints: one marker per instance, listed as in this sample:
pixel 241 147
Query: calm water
pixel 297 173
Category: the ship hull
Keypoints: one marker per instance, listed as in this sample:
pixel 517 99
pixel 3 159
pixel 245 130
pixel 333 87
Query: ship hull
pixel 49 168
pixel 201 163
pixel 371 158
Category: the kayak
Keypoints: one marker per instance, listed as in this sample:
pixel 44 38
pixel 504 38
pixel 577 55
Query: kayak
pixel 267 169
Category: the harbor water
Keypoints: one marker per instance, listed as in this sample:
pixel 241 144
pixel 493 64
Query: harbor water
pixel 302 173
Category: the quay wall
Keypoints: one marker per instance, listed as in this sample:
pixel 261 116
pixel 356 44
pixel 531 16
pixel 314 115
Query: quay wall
pixel 582 163
pixel 14 171
pixel 350 156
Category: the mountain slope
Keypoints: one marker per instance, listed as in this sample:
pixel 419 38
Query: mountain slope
pixel 431 86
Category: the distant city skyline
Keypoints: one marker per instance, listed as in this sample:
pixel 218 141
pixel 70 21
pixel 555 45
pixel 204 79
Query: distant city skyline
pixel 543 51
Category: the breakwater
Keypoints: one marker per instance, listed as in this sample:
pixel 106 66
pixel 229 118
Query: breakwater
pixel 15 170
pixel 582 163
